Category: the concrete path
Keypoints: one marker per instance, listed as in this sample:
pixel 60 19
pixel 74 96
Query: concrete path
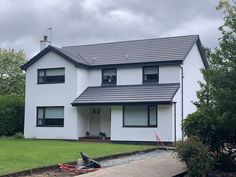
pixel 162 166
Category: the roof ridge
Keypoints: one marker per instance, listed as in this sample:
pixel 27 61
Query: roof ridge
pixel 197 35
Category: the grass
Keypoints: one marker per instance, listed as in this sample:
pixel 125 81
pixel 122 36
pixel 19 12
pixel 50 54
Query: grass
pixel 20 154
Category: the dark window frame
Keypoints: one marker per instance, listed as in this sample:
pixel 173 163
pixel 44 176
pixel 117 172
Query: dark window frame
pixel 44 118
pixel 149 81
pixel 148 118
pixel 44 79
pixel 107 84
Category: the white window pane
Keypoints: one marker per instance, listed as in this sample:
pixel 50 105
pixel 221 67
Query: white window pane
pixel 152 115
pixel 54 112
pixel 40 79
pixel 40 121
pixel 135 116
pixel 41 73
pixel 55 72
pixel 151 70
pixel 40 113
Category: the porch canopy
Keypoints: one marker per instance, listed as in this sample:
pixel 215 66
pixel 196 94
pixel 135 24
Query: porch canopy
pixel 145 93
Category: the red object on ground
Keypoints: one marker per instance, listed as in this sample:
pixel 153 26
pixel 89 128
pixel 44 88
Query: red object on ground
pixel 73 168
pixel 159 140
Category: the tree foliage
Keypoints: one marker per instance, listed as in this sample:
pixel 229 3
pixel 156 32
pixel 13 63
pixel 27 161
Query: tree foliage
pixel 12 78
pixel 214 123
pixel 11 115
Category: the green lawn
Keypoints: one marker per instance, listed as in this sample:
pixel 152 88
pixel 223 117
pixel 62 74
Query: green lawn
pixel 19 154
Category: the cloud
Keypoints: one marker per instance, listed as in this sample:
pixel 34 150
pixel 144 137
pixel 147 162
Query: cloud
pixel 23 23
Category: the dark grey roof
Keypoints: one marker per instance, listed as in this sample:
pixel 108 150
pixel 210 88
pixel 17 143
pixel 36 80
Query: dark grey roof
pixel 170 50
pixel 73 56
pixel 155 93
pixel 136 51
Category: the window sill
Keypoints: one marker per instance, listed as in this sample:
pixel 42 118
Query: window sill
pixel 57 126
pixel 151 82
pixel 137 126
pixel 51 83
pixel 108 85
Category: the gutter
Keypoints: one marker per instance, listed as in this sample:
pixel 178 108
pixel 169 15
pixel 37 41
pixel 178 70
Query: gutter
pixel 182 100
pixel 175 122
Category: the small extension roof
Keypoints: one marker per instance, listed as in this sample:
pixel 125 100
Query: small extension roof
pixel 157 50
pixel 146 93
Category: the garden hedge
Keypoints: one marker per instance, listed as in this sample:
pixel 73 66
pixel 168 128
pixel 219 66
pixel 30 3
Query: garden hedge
pixel 11 115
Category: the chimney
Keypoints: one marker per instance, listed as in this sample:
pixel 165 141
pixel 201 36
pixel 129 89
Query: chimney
pixel 44 43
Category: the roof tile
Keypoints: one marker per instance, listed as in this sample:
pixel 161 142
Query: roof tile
pixel 128 94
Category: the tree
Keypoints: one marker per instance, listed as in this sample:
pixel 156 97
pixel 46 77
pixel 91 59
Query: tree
pixel 214 123
pixel 12 78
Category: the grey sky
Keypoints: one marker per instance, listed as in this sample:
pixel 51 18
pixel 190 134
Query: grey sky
pixel 24 22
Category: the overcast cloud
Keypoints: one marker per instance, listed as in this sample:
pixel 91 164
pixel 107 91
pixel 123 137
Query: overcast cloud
pixel 74 22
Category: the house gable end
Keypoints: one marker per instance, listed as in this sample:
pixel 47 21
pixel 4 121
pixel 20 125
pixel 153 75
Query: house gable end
pixel 56 51
pixel 201 52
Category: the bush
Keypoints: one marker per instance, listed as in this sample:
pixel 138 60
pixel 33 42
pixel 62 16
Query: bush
pixel 207 129
pixel 196 157
pixel 226 163
pixel 11 115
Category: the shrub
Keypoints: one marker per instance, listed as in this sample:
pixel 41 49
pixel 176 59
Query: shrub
pixel 226 162
pixel 11 115
pixel 196 157
pixel 207 129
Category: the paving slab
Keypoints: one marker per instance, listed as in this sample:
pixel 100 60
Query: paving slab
pixel 162 166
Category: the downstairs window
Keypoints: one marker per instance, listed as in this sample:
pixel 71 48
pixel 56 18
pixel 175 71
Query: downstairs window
pixel 140 116
pixel 50 116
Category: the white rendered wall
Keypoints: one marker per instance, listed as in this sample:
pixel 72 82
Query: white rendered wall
pixel 82 80
pixel 134 75
pixel 95 77
pixel 177 99
pixel 51 95
pixel 169 74
pixel 129 76
pixel 164 129
pixel 192 74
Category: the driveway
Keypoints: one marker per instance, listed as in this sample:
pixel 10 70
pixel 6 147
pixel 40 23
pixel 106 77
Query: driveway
pixel 162 166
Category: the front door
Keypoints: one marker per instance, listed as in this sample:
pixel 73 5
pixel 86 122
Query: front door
pixel 95 121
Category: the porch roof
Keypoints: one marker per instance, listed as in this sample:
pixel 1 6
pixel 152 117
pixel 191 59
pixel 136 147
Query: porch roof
pixel 145 93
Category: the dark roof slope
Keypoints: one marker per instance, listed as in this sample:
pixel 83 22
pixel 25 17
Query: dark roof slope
pixel 158 50
pixel 155 93
pixel 136 51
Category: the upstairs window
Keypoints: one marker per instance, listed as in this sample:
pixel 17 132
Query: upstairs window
pixel 51 76
pixel 109 76
pixel 50 116
pixel 150 74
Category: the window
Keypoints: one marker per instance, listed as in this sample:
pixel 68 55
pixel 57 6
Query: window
pixel 50 116
pixel 51 76
pixel 140 116
pixel 109 76
pixel 150 74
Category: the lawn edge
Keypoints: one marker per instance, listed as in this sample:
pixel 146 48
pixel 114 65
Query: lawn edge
pixel 54 167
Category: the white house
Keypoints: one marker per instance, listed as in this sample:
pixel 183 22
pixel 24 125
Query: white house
pixel 126 90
